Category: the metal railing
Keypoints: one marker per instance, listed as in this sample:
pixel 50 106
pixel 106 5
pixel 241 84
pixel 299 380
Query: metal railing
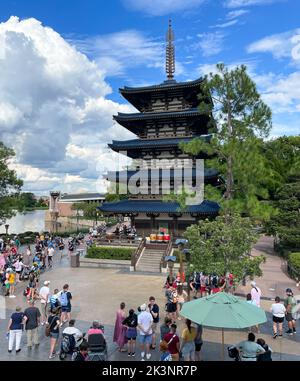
pixel 135 256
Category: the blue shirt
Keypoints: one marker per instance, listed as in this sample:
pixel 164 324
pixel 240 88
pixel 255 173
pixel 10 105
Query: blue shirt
pixel 17 318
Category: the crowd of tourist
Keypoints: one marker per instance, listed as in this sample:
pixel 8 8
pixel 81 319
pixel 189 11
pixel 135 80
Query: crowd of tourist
pixel 144 326
pixel 26 263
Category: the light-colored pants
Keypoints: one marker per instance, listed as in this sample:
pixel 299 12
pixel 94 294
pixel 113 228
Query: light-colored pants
pixel 44 310
pixel 32 337
pixel 15 334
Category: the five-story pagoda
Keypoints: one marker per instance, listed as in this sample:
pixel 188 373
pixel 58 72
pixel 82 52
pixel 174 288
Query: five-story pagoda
pixel 168 115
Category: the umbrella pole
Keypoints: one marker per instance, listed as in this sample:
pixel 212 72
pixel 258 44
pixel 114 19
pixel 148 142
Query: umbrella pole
pixel 222 349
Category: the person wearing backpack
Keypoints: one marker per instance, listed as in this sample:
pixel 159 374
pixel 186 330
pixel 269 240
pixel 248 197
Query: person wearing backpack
pixel 52 330
pixel 290 303
pixel 65 302
pixel 71 246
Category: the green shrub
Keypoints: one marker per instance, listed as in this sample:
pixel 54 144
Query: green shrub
pixel 105 252
pixel 294 260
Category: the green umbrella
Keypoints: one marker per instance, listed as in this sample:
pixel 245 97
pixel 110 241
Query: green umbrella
pixel 223 310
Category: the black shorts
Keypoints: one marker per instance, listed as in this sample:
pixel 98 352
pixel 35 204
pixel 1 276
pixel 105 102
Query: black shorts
pixel 198 347
pixel 171 307
pixel 277 319
pixel 289 317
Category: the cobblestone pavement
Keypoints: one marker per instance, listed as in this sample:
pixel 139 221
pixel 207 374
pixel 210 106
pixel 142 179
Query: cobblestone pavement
pixel 98 292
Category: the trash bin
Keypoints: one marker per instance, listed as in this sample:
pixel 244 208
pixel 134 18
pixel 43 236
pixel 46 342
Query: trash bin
pixel 75 259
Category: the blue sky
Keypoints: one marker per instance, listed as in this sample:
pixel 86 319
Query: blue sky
pixel 123 44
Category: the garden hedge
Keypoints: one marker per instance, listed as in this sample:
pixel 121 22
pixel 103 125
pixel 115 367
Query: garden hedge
pixel 105 252
pixel 294 261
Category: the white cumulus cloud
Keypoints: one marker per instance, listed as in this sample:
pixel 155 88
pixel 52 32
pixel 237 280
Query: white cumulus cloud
pixel 281 45
pixel 52 95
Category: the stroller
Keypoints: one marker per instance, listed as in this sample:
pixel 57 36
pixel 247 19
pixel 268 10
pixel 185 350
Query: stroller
pixel 25 273
pixel 69 346
pixel 97 348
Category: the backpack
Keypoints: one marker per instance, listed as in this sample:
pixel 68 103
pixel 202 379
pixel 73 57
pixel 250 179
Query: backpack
pixel 68 343
pixel 214 280
pixel 174 297
pixel 197 278
pixel 64 301
pixel 132 321
pixel 48 327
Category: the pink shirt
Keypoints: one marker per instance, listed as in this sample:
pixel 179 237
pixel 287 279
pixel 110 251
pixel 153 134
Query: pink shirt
pixel 255 295
pixel 93 331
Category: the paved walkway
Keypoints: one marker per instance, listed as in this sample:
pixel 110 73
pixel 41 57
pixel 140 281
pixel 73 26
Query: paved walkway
pixel 274 281
pixel 98 292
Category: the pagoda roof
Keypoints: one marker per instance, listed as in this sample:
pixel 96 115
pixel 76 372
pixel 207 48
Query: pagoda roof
pixel 157 115
pixel 137 122
pixel 118 145
pixel 157 206
pixel 165 86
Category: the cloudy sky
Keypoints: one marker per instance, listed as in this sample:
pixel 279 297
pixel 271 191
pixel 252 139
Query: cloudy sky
pixel 61 67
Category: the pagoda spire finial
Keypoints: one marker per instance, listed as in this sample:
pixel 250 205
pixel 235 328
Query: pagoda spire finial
pixel 170 53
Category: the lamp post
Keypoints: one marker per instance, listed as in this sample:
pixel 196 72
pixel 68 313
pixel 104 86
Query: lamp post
pixel 181 243
pixel 188 259
pixel 53 209
pixel 6 228
pixel 77 218
pixel 97 215
pixel 170 260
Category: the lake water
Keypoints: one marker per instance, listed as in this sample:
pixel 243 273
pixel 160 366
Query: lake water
pixel 30 221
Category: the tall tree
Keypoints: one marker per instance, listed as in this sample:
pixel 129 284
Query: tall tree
pixel 26 200
pixel 283 155
pixel 285 226
pixel 223 245
pixel 10 185
pixel 239 122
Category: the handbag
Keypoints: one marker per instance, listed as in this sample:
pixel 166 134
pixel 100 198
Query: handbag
pixel 48 328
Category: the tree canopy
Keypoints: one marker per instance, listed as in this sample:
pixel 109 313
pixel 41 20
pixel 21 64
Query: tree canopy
pixel 10 185
pixel 223 245
pixel 283 156
pixel 239 120
pixel 285 226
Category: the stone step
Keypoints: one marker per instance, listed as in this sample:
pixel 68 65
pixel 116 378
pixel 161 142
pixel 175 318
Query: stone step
pixel 149 269
pixel 153 252
pixel 149 260
pixel 148 264
pixel 151 256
